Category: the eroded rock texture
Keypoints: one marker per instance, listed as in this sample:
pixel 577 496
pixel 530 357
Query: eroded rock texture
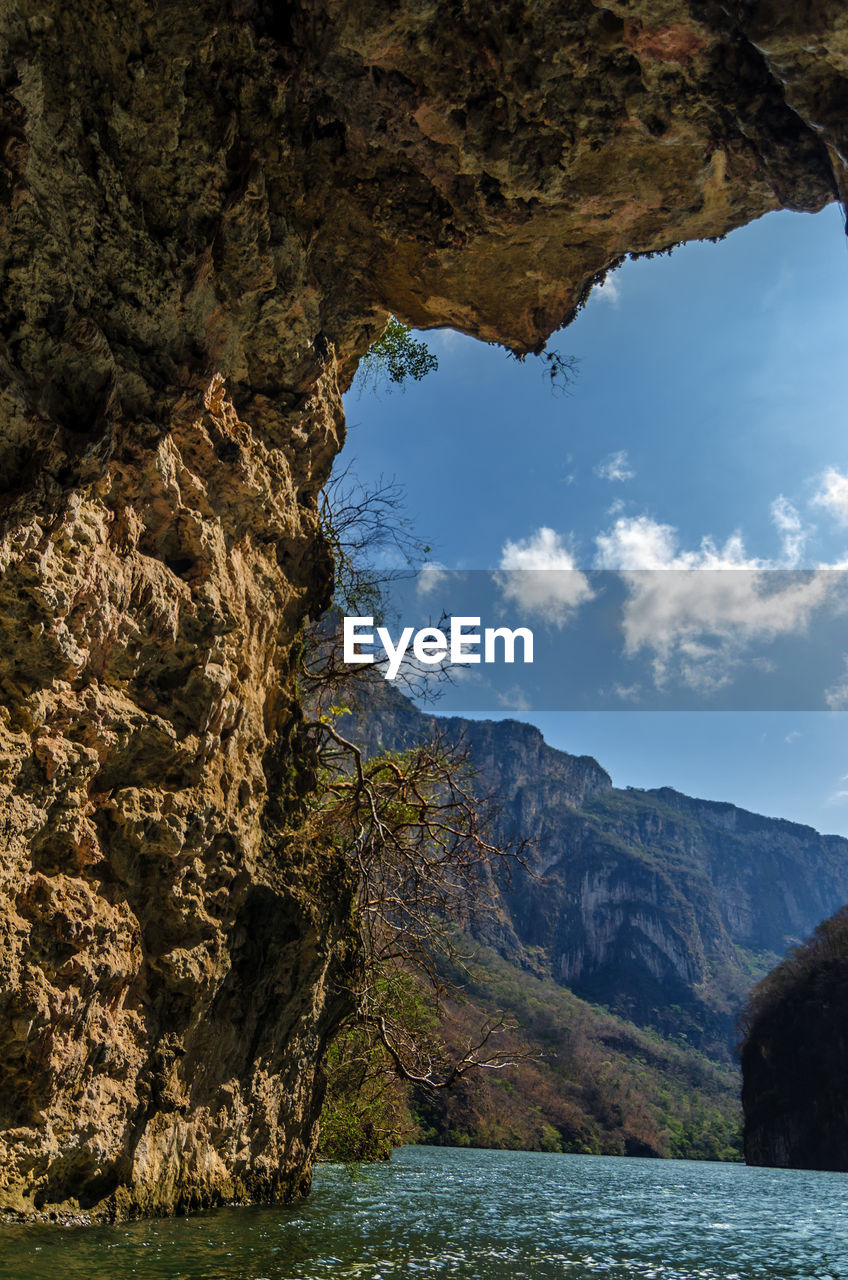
pixel 207 211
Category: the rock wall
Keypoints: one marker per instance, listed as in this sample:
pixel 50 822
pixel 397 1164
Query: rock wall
pixel 795 1056
pixel 662 907
pixel 207 211
pixel 170 963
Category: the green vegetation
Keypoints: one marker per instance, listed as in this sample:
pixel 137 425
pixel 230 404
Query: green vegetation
pixel 795 1055
pixel 822 959
pixel 395 358
pixel 408 827
pixel 597 1086
pixel 601 1086
pixel 367 1111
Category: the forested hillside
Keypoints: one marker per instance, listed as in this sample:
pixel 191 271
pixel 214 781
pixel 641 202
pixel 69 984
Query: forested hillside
pixel 663 907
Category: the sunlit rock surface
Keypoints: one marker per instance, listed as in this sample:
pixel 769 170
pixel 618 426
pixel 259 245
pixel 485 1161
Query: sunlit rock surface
pixel 207 211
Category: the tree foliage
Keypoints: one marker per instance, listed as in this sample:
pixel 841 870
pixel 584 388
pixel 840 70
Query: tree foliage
pixel 602 1086
pixel 823 957
pixel 367 1111
pixel 395 358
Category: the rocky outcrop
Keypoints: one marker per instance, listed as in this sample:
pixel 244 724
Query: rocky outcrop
pixel 664 908
pixel 795 1057
pixel 208 210
pixel 170 956
pixel 168 953
pixel 667 908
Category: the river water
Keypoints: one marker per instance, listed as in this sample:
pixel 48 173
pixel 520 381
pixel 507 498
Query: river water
pixel 482 1215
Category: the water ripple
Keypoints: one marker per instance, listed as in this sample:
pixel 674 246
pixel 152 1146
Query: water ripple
pixel 482 1215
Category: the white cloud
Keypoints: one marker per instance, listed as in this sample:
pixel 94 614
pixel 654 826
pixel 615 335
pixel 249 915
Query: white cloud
pixel 514 699
pixel 540 575
pixel 627 692
pixel 608 291
pixel 430 576
pixel 636 542
pixel 615 467
pixel 836 697
pixel 544 549
pixel 840 795
pixel 833 494
pixel 446 341
pixel 699 616
pixel 787 521
pixel 704 610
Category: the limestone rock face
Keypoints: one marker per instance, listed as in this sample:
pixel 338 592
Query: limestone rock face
pixel 500 155
pixel 166 963
pixel 206 212
pixel 169 959
pixel 663 907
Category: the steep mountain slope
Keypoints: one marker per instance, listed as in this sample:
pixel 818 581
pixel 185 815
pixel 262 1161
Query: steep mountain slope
pixel 795 1057
pixel 663 907
pixel 597 1084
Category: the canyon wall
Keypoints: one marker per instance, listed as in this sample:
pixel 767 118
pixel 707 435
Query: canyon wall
pixel 795 1054
pixel 208 210
pixel 663 908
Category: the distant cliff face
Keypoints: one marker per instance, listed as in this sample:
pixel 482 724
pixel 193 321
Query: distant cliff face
pixel 207 212
pixel 795 1057
pixel 652 900
pixel 663 907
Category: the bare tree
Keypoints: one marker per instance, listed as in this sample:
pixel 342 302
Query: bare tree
pixel 414 830
pixel 409 824
pixel 373 545
pixel 370 535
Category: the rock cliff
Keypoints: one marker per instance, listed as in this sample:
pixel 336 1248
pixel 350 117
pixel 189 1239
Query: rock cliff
pixel 662 907
pixel 208 210
pixel 795 1057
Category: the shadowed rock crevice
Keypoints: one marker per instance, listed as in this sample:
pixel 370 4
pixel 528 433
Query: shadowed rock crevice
pixel 208 211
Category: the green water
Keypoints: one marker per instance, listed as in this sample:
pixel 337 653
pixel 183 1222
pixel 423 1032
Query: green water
pixel 482 1215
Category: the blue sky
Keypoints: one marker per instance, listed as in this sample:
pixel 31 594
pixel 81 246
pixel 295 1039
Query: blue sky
pixel 710 405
